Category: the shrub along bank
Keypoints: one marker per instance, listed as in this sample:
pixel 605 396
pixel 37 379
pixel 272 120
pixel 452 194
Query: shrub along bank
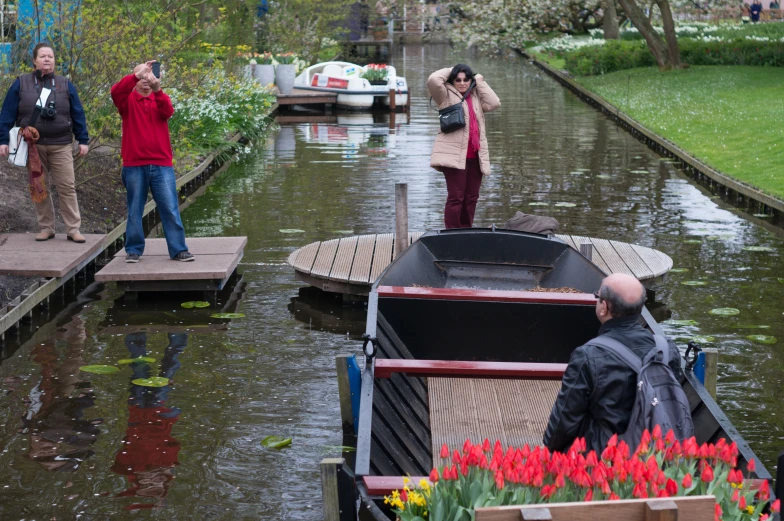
pixel 726 116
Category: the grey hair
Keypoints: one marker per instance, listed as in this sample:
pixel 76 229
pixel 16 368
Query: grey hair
pixel 620 307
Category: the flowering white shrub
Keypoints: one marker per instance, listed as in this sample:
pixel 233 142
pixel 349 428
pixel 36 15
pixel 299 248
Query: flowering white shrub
pixel 566 43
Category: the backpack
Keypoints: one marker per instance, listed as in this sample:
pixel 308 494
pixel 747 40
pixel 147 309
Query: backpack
pixel 660 399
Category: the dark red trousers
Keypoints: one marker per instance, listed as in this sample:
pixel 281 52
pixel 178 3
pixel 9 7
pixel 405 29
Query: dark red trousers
pixel 462 188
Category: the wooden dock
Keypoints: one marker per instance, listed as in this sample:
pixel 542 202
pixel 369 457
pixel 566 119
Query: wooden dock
pixel 351 265
pixel 306 97
pixel 216 259
pixel 22 255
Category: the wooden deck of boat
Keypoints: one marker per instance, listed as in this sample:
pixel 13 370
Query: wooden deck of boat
pixel 351 265
pixel 512 411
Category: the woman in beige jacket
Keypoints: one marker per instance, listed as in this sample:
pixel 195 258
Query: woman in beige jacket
pixel 462 155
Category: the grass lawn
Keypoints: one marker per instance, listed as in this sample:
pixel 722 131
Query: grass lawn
pixel 729 117
pixel 556 63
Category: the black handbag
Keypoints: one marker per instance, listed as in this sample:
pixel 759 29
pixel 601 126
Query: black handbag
pixel 452 117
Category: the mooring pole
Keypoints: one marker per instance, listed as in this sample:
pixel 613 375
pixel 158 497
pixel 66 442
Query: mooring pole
pixel 401 217
pixel 392 105
pixel 711 369
pixel 337 490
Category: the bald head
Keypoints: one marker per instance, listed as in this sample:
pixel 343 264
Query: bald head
pixel 623 296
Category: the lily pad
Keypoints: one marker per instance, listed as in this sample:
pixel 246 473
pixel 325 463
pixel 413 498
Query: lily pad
pixel 703 339
pixel 145 359
pixel 759 248
pixel 603 176
pixel 566 205
pixel 781 280
pixel 693 241
pixel 725 312
pixel 538 204
pixel 639 171
pixel 344 232
pixel 99 369
pixel 195 304
pixel 762 339
pixel 762 215
pixel 681 322
pixel 154 381
pixel 679 270
pixel 694 283
pixel 227 315
pixel 291 230
pixel 750 326
pixel 276 442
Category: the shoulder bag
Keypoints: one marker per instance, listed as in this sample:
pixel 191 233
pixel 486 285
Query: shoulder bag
pixel 17 147
pixel 452 117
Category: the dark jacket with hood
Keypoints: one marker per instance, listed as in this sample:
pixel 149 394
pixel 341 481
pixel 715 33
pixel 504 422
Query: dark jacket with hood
pixel 598 389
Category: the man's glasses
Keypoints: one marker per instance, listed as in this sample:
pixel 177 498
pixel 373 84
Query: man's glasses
pixel 598 296
pixel 458 80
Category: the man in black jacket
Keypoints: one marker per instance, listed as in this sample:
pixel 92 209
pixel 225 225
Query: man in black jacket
pixel 598 388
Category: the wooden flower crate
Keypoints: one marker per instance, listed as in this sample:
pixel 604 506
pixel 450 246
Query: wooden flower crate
pixel 694 508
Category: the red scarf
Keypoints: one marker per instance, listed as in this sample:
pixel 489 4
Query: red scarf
pixel 36 181
pixel 473 130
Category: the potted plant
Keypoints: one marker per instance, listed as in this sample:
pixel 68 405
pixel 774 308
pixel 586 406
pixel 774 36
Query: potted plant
pixel 265 70
pixel 285 72
pixel 376 73
pixel 486 475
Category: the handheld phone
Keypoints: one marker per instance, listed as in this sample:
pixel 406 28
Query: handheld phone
pixel 156 69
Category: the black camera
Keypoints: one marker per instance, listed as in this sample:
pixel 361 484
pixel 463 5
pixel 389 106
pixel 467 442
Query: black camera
pixel 49 111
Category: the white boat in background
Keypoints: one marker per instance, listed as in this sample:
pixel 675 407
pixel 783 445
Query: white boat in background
pixel 343 78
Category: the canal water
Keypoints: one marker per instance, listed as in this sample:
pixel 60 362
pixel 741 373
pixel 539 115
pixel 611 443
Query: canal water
pixel 88 446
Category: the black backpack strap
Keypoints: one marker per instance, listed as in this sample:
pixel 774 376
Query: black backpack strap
pixel 621 351
pixel 470 88
pixel 663 347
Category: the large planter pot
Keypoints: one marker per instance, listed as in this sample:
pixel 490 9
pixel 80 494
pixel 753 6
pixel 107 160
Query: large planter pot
pixel 265 74
pixel 284 77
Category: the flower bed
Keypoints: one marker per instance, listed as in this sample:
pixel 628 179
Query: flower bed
pixel 708 50
pixel 485 476
pixel 375 73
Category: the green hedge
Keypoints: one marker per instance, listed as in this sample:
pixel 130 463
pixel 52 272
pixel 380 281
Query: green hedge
pixel 621 55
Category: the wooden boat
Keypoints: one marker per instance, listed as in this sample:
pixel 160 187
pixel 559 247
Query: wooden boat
pixel 462 313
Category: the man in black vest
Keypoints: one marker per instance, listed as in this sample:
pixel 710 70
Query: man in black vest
pixel 598 389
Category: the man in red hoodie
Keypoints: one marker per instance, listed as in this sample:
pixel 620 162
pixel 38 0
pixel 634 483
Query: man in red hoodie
pixel 147 160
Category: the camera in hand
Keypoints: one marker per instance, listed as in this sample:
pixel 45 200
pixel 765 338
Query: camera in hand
pixel 49 111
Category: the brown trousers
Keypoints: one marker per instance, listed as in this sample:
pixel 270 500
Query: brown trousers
pixel 57 161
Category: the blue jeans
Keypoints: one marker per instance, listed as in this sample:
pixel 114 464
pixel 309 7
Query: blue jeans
pixel 139 180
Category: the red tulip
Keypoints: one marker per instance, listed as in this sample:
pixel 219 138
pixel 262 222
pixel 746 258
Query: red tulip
pixel 657 432
pixel 404 495
pixel 671 487
pixel 742 502
pixel 456 457
pixel 588 495
pixel 735 496
pixel 686 483
pixel 499 480
pixel 486 445
pixel 776 506
pixel 463 468
pixel 467 446
pixel 613 496
pixel 444 451
pixel 434 475
pixel 763 492
pixel 669 439
pixel 751 466
pixel 707 474
pixel 717 513
pixel 453 472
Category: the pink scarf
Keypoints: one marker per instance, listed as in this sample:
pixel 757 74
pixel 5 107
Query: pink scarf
pixel 473 131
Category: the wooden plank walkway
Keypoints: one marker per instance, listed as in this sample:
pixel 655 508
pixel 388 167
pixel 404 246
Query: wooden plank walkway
pixel 216 259
pixel 351 265
pixel 22 255
pixel 512 411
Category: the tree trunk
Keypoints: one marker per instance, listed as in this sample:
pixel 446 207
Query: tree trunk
pixel 655 44
pixel 610 21
pixel 669 33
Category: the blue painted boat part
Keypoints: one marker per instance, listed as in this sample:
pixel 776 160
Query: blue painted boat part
pixel 699 367
pixel 355 385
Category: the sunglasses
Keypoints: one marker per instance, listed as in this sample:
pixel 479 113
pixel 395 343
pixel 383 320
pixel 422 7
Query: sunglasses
pixel 458 80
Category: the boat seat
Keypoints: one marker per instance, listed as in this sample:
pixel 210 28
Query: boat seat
pixel 333 70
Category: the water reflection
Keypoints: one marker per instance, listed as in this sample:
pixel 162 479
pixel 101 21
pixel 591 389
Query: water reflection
pixel 60 436
pixel 328 312
pixel 149 451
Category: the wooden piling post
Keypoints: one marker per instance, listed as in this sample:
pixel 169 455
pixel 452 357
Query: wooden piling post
pixel 344 393
pixel 586 248
pixel 711 369
pixel 338 498
pixel 392 105
pixel 401 217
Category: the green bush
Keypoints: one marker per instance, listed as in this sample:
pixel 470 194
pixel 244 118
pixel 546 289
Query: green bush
pixel 621 55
